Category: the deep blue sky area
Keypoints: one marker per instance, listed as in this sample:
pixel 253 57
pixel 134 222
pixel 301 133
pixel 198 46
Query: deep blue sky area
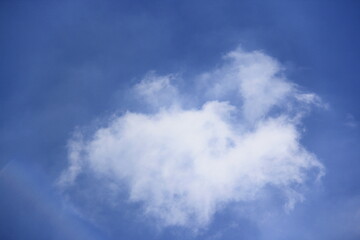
pixel 67 64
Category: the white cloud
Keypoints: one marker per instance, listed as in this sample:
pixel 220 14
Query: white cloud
pixel 255 77
pixel 184 164
pixel 157 91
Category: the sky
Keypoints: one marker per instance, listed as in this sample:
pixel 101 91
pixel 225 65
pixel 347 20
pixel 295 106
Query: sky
pixel 190 120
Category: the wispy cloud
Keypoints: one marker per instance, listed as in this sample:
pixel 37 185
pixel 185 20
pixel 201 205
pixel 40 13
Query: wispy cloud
pixel 185 163
pixel 350 121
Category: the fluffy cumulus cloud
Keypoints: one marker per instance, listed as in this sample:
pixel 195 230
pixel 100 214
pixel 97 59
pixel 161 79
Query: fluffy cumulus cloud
pixel 184 162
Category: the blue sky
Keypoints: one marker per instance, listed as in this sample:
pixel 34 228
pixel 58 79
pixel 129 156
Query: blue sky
pixel 179 120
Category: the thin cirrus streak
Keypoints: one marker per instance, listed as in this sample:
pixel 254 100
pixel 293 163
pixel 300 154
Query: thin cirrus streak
pixel 185 163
